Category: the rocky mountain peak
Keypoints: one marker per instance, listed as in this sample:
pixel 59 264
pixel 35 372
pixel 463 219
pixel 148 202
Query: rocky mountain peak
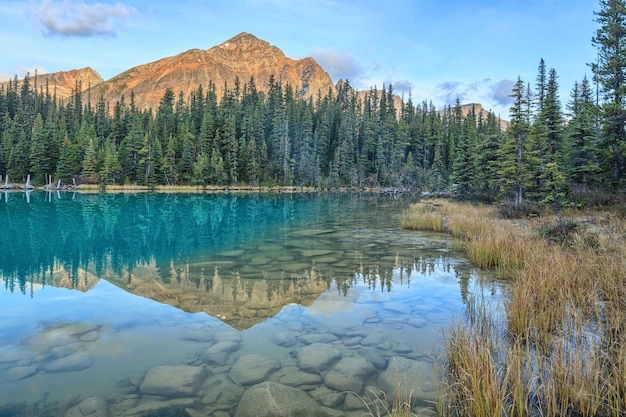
pixel 241 57
pixel 244 41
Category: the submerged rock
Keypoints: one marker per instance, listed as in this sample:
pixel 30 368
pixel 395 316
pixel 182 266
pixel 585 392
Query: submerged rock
pixel 408 378
pixel 328 397
pixel 285 339
pixel 60 334
pixel 89 407
pixel 397 308
pixel 20 372
pixel 173 381
pixel 271 399
pixel 374 339
pixel 219 352
pixel 374 358
pixel 222 393
pixel 72 363
pixel 318 338
pixel 349 374
pixel 251 369
pixel 329 412
pixel 317 357
pixel 301 379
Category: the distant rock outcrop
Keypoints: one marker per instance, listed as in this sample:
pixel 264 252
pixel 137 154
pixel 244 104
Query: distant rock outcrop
pixel 478 110
pixel 64 83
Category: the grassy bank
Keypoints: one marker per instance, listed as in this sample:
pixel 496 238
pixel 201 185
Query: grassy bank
pixel 558 348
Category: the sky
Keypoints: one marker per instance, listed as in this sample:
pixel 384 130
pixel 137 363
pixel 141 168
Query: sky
pixel 431 50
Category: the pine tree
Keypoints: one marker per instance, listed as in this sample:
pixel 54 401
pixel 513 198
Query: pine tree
pixel 90 169
pixel 201 169
pixel 150 160
pixel 185 166
pixel 582 159
pixel 38 161
pixel 18 163
pixel 542 85
pixel 111 169
pixel 128 152
pixel 489 137
pixel 69 161
pixel 464 166
pixel 512 162
pixel 554 156
pixel 610 73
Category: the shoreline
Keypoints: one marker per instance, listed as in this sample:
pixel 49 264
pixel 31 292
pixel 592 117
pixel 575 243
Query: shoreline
pixel 212 189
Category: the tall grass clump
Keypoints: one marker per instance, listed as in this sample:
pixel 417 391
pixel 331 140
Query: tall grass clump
pixel 559 346
pixel 428 217
pixel 378 405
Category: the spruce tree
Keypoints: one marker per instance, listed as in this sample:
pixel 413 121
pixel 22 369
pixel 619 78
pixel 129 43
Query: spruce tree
pixel 555 180
pixel 464 166
pixel 512 162
pixel 610 73
pixel 582 158
pixel 38 161
pixel 89 166
pixel 111 169
pixel 69 162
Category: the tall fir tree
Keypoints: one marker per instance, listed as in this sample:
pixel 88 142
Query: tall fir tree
pixel 610 73
pixel 582 157
pixel 512 158
pixel 464 167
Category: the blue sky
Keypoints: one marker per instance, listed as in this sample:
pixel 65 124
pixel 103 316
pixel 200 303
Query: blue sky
pixel 438 50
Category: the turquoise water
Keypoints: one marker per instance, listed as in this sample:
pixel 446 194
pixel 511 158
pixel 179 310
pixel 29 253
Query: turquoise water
pixel 202 304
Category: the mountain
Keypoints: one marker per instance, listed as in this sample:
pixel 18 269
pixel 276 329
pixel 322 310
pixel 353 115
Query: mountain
pixel 63 83
pixel 243 57
pixel 478 109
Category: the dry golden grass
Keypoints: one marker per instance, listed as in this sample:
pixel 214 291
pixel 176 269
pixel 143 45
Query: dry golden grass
pixel 563 348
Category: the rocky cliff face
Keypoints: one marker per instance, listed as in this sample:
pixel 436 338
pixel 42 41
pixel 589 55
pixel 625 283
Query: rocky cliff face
pixel 63 83
pixel 243 57
pixel 478 110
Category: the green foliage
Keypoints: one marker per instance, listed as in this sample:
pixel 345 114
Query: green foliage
pixel 560 233
pixel 610 73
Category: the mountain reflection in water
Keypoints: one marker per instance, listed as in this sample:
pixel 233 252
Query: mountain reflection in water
pixel 280 277
pixel 239 258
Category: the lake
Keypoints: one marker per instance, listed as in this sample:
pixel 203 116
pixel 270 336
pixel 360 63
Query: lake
pixel 221 304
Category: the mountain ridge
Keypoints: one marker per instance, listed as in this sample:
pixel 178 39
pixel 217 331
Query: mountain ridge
pixel 243 57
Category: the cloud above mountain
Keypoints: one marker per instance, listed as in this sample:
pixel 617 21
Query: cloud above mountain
pixel 79 19
pixel 493 95
pixel 339 65
pixel 502 91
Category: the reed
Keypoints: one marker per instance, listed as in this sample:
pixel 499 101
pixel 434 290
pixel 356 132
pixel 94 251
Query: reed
pixel 502 250
pixel 428 217
pixel 378 405
pixel 472 381
pixel 561 350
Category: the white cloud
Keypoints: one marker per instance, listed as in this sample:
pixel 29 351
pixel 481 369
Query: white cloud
pixel 339 65
pixel 502 91
pixel 491 95
pixel 82 20
pixel 402 86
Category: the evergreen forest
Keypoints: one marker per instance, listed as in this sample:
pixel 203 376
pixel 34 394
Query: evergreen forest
pixel 550 152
